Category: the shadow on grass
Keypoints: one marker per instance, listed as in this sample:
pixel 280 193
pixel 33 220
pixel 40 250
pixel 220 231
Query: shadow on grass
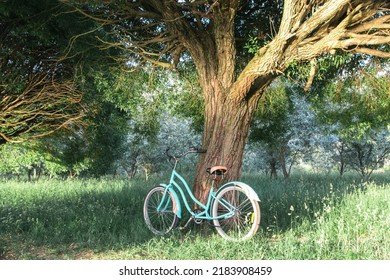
pixel 75 221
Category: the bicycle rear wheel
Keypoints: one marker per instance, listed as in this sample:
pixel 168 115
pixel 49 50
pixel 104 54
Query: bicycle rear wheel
pixel 244 218
pixel 163 220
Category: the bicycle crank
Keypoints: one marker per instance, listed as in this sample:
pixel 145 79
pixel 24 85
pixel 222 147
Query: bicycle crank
pixel 197 221
pixel 186 224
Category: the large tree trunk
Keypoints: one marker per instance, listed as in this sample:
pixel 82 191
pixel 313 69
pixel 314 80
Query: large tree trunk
pixel 230 101
pixel 225 133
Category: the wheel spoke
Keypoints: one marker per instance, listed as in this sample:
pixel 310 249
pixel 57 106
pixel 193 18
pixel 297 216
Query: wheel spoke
pixel 245 214
pixel 160 221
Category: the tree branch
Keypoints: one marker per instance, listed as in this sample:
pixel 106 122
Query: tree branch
pixel 372 52
pixel 346 26
pixel 313 67
pixel 43 107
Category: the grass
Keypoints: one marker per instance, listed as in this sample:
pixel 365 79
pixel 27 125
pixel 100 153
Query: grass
pixel 309 217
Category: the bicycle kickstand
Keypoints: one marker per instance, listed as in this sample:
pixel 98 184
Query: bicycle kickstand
pixel 187 223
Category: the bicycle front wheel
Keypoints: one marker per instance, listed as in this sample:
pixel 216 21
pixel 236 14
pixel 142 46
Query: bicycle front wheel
pixel 163 220
pixel 236 217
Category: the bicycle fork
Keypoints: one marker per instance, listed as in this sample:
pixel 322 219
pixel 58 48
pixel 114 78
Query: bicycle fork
pixel 165 201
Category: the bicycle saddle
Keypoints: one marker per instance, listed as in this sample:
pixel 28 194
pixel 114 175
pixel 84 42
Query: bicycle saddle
pixel 217 170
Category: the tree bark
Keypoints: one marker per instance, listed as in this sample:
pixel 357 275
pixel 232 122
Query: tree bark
pixel 282 156
pixel 225 134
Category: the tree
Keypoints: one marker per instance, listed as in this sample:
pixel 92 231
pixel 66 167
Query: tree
pixel 269 125
pixel 212 34
pixel 146 155
pixel 31 159
pixel 356 110
pixel 43 63
pixel 285 125
pixel 369 154
pixel 38 93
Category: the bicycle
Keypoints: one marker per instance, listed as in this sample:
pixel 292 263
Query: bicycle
pixel 233 208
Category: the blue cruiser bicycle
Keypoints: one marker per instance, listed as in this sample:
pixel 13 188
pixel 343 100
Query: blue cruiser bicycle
pixel 233 208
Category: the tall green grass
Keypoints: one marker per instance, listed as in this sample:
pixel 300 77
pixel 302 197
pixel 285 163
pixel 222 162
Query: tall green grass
pixel 308 217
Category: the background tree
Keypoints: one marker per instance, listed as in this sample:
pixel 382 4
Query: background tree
pixel 56 80
pixel 211 31
pixel 355 109
pixel 285 126
pixel 269 126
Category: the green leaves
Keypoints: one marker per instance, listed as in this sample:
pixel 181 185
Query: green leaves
pixel 270 121
pixel 327 67
pixel 252 45
pixel 359 104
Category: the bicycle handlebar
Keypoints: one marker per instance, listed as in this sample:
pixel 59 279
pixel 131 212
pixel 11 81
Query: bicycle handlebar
pixel 197 150
pixel 190 150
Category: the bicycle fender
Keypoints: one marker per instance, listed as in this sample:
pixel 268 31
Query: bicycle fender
pixel 177 206
pixel 247 189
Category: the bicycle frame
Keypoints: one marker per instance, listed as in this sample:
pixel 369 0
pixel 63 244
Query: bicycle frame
pixel 174 184
pixel 232 208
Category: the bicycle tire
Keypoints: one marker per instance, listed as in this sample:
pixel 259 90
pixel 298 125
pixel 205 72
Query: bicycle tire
pixel 160 222
pixel 245 221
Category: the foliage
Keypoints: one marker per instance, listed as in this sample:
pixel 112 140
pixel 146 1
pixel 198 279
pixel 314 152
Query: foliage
pixel 48 55
pixel 253 33
pixel 269 126
pixel 356 111
pixel 252 45
pixel 369 154
pixel 358 104
pixel 154 105
pixel 324 68
pixel 32 39
pixel 55 156
pixel 272 111
pixel 14 159
pixel 186 99
pixel 127 114
pixel 284 127
pixel 147 156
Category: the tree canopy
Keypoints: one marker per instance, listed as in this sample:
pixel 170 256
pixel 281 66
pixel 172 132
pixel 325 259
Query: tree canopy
pixel 237 48
pixel 214 34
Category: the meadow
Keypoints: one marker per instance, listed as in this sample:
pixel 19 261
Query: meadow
pixel 311 216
